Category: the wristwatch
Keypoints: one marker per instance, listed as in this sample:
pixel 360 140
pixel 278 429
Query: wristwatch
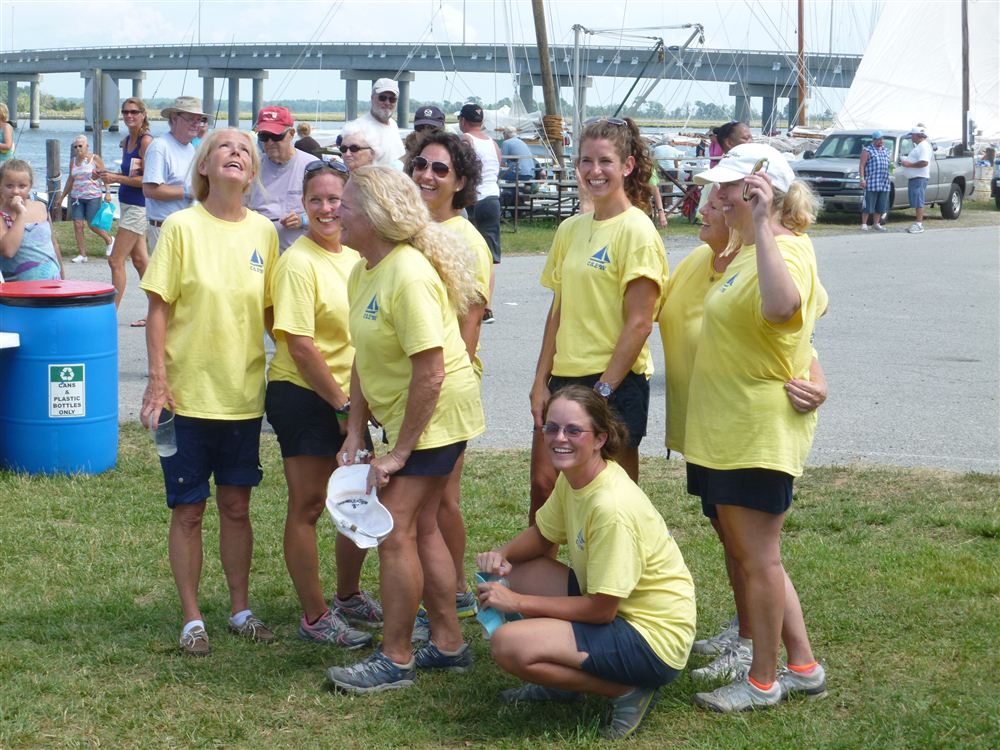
pixel 604 390
pixel 345 409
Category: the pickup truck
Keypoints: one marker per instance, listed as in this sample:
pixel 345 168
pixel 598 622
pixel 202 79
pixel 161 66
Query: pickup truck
pixel 832 171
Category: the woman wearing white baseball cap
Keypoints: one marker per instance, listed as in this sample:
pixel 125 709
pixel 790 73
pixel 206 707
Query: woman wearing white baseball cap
pixel 744 441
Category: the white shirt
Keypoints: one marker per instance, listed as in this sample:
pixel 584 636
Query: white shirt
pixel 486 150
pixel 923 152
pixel 168 162
pixel 388 146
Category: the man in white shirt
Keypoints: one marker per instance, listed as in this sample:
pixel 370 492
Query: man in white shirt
pixel 278 194
pixel 378 122
pixel 917 164
pixel 166 176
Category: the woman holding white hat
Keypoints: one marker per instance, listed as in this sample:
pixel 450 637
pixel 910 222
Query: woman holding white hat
pixel 744 440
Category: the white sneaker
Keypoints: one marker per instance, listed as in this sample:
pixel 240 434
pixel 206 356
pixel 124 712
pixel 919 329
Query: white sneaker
pixel 733 664
pixel 864 227
pixel 740 695
pixel 879 228
pixel 812 685
pixel 916 229
pixel 716 644
pixel 110 248
pixel 80 259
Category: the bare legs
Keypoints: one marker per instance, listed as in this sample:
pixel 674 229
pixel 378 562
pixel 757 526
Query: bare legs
pixel 452 524
pixel 127 245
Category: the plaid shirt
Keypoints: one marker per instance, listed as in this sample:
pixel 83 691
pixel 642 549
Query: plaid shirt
pixel 876 169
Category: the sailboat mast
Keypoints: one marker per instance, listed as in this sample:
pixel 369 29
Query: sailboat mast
pixel 548 84
pixel 801 115
pixel 965 76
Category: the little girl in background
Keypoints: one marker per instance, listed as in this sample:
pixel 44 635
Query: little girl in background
pixel 28 251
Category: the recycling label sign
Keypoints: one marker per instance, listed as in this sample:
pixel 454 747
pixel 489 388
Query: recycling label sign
pixel 67 391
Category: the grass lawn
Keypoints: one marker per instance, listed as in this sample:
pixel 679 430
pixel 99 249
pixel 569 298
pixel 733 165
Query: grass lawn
pixel 898 571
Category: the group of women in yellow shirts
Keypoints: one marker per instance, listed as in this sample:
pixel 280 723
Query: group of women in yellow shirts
pixel 376 313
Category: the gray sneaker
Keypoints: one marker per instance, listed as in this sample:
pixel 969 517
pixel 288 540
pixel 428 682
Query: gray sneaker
pixel 740 695
pixel 915 228
pixel 531 693
pixel 373 675
pixel 430 656
pixel 628 712
pixel 253 630
pixel 812 685
pixel 195 642
pixel 466 605
pixel 332 628
pixel 421 629
pixel 362 610
pixel 733 664
pixel 717 643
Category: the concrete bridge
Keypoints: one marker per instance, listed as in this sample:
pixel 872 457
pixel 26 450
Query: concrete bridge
pixel 768 75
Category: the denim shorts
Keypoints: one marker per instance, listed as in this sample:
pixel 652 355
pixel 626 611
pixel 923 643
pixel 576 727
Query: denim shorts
pixel 617 652
pixel 876 202
pixel 84 208
pixel 630 400
pixel 915 190
pixel 432 462
pixel 765 490
pixel 229 449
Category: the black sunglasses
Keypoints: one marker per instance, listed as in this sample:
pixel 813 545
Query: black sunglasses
pixel 131 111
pixel 354 148
pixel 610 120
pixel 437 167
pixel 265 137
pixel 387 97
pixel 336 166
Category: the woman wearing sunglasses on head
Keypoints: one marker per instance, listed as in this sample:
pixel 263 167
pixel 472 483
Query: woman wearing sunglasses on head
pixel 619 620
pixel 412 373
pixel 607 270
pixel 308 400
pixel 447 170
pixel 744 439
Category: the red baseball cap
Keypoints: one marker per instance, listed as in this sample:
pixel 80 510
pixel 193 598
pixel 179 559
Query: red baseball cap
pixel 275 120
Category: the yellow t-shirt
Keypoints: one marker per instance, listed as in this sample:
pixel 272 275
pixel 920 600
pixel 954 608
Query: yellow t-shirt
pixel 620 546
pixel 216 276
pixel 589 265
pixel 739 415
pixel 310 299
pixel 466 232
pixel 680 327
pixel 400 308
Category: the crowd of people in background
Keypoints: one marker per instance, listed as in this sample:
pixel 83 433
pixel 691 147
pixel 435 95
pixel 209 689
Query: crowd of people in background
pixel 374 273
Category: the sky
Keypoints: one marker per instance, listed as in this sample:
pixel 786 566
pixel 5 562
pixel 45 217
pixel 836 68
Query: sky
pixel 729 24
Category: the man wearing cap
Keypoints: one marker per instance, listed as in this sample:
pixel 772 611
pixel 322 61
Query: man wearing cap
pixel 166 177
pixel 278 195
pixel 874 171
pixel 378 122
pixel 426 120
pixel 917 166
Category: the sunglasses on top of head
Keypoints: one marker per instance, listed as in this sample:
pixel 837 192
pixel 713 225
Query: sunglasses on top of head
pixel 437 167
pixel 610 120
pixel 336 166
pixel 264 137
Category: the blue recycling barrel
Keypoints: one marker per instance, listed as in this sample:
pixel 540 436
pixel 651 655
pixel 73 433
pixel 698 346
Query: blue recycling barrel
pixel 59 387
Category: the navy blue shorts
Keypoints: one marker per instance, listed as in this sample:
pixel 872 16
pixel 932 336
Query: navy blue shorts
pixel 304 422
pixel 617 652
pixel 765 490
pixel 229 449
pixel 630 400
pixel 432 462
pixel 84 209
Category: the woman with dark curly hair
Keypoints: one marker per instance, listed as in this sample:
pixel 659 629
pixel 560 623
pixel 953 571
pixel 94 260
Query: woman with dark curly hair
pixel 447 170
pixel 607 270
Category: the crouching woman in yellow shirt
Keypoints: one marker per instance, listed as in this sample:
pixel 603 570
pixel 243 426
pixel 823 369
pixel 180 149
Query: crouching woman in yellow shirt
pixel 619 622
pixel 209 304
pixel 413 374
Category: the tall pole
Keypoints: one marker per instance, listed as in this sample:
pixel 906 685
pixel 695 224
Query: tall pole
pixel 577 85
pixel 548 83
pixel 965 76
pixel 801 118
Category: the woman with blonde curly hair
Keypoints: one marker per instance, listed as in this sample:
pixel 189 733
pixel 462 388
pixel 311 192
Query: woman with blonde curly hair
pixel 412 373
pixel 606 269
pixel 744 440
pixel 209 289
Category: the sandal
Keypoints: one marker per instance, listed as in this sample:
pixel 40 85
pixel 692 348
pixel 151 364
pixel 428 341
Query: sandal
pixel 141 323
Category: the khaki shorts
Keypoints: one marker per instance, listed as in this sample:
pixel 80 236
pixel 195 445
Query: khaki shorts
pixel 133 218
pixel 152 235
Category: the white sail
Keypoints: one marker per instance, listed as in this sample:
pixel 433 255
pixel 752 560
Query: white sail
pixel 912 70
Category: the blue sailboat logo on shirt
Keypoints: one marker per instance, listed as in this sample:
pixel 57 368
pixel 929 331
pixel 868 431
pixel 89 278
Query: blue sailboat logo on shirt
pixel 728 283
pixel 600 259
pixel 580 541
pixel 256 262
pixel 371 312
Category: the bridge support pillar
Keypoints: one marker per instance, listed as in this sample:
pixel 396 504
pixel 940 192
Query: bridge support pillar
pixel 526 93
pixel 234 101
pixel 208 98
pixel 137 88
pixel 12 101
pixel 743 108
pixel 257 97
pixel 351 99
pixel 403 105
pixel 34 120
pixel 793 111
pixel 768 122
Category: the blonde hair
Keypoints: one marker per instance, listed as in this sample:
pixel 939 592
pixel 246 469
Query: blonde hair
pixel 199 182
pixel 391 202
pixel 4 113
pixel 141 106
pixel 797 208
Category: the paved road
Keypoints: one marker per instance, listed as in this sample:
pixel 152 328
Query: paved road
pixel 911 347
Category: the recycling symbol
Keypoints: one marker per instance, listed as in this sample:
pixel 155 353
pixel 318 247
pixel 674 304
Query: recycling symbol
pixel 66 374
